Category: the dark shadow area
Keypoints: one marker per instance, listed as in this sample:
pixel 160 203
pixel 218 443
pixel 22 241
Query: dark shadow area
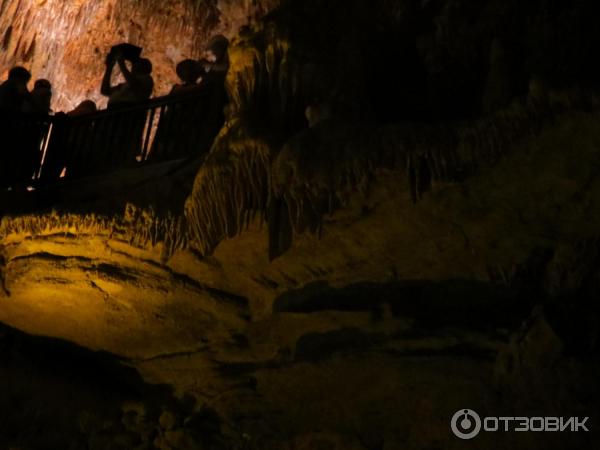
pixel 459 303
pixel 315 347
pixel 55 393
pixel 441 60
pixel 162 186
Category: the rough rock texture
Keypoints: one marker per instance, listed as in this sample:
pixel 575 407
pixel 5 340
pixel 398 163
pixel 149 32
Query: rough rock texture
pixel 347 286
pixel 67 41
pixel 425 298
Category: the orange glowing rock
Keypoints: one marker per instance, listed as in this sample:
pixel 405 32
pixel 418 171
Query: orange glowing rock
pixel 66 42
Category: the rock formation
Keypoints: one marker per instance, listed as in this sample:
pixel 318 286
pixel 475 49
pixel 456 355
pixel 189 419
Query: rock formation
pixel 349 285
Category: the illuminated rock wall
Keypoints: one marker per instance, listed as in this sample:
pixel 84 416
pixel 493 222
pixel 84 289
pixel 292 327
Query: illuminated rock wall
pixel 66 41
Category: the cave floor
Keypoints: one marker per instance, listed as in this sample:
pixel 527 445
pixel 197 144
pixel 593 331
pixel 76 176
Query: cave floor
pixel 366 369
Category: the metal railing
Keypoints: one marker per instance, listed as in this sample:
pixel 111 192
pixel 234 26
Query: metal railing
pixel 46 148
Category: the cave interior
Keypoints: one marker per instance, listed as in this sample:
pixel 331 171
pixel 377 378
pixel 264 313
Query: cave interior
pixel 393 216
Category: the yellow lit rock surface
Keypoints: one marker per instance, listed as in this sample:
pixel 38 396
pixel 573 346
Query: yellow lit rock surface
pixel 253 340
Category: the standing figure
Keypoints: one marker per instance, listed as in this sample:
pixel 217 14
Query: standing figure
pixel 123 143
pixel 14 130
pixel 216 66
pixel 215 61
pixel 72 133
pixel 37 108
pixel 178 122
pixel 13 92
pixel 40 98
pixel 138 83
pixel 83 108
pixel 188 71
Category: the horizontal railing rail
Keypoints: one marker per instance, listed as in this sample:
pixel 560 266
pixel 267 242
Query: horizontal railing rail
pixel 46 148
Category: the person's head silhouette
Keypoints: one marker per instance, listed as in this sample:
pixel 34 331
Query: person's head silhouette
pixel 42 83
pixel 19 75
pixel 216 50
pixel 41 95
pixel 188 71
pixel 85 107
pixel 141 66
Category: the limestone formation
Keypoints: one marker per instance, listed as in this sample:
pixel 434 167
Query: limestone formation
pixel 344 283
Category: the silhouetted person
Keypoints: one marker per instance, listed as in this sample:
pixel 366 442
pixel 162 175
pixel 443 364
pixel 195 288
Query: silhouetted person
pixel 189 127
pixel 188 71
pixel 85 107
pixel 40 98
pixel 64 150
pixel 13 92
pixel 15 131
pixel 317 112
pixel 122 144
pixel 215 61
pixel 138 83
pixel 177 124
pixel 216 66
pixel 36 108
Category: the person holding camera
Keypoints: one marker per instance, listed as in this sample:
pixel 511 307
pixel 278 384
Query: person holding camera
pixel 215 62
pixel 123 144
pixel 138 83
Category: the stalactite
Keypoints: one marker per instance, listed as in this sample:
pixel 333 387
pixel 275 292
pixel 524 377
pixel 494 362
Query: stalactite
pixel 325 165
pixel 231 186
pixel 261 82
pixel 244 178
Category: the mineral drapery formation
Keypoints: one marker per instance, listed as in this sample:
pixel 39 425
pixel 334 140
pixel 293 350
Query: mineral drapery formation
pixel 264 166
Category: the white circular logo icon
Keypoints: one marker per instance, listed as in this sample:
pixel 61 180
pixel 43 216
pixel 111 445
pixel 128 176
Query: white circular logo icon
pixel 466 424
